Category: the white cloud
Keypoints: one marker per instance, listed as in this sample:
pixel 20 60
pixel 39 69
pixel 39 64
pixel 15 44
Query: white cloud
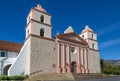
pixel 108 29
pixel 109 43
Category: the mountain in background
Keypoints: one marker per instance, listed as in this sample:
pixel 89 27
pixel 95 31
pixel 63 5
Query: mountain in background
pixel 114 62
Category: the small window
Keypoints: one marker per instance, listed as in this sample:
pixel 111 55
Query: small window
pixel 73 50
pixel 42 32
pixel 93 46
pixel 82 36
pixel 28 32
pixel 2 54
pixel 29 18
pixel 92 36
pixel 42 19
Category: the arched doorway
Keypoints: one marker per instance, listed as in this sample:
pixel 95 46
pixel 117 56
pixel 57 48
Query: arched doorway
pixel 5 71
pixel 73 67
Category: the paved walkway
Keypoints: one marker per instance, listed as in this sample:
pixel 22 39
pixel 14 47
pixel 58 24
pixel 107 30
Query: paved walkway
pixel 105 79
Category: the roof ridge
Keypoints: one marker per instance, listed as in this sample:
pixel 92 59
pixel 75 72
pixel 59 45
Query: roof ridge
pixel 11 42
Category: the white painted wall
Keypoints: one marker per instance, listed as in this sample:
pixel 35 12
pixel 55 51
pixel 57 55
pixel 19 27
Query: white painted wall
pixel 88 35
pixel 37 26
pixel 9 59
pixel 28 28
pixel 29 16
pixel 88 38
pixel 21 63
pixel 95 44
pixel 47 29
pixel 47 18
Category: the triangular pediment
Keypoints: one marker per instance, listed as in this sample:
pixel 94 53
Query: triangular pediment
pixel 72 37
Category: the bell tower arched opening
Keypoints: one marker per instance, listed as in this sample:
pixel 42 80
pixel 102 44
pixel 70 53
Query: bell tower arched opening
pixel 42 18
pixel 42 32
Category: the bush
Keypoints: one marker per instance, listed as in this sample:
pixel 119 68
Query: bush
pixel 17 77
pixel 108 68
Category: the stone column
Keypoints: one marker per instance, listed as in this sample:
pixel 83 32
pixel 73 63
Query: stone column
pixel 83 60
pixel 64 59
pixel 69 60
pixel 87 70
pixel 78 65
pixel 59 59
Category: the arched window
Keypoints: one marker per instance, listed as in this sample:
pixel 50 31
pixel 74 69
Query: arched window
pixel 82 36
pixel 42 19
pixel 92 36
pixel 93 46
pixel 28 32
pixel 42 32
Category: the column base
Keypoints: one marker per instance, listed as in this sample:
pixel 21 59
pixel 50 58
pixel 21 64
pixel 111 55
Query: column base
pixel 59 69
pixel 64 69
pixel 69 69
pixel 78 69
pixel 83 70
pixel 87 70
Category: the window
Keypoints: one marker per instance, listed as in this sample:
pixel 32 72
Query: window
pixel 42 19
pixel 73 50
pixel 93 46
pixel 92 36
pixel 82 36
pixel 2 54
pixel 28 32
pixel 42 32
pixel 29 18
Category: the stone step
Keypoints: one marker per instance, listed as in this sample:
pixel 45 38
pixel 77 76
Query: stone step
pixel 64 76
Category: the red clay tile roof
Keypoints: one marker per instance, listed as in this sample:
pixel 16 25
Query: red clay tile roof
pixel 10 46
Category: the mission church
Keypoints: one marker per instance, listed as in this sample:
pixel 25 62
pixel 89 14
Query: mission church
pixel 66 53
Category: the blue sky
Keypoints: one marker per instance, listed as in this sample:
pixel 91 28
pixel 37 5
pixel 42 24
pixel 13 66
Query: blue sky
pixel 103 16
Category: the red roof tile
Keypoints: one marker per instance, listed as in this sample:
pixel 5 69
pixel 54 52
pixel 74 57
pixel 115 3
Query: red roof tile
pixel 10 46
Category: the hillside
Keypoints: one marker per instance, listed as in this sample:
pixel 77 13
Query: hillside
pixel 115 62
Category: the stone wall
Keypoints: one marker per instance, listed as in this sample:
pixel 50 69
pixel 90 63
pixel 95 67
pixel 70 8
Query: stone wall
pixel 94 61
pixel 43 57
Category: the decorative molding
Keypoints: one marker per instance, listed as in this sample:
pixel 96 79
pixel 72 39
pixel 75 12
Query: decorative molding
pixel 41 12
pixel 38 37
pixel 94 49
pixel 91 39
pixel 32 20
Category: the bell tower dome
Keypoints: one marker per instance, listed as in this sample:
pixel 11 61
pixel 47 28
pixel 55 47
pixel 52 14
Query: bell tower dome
pixel 39 22
pixel 91 37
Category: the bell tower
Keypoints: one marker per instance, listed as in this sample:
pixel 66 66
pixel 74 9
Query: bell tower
pixel 39 22
pixel 91 37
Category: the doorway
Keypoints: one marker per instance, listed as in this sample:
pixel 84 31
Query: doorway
pixel 73 67
pixel 5 71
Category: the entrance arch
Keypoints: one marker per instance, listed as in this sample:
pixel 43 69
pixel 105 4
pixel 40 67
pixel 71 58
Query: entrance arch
pixel 73 67
pixel 6 68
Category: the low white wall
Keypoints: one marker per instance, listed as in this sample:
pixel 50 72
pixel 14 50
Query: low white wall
pixel 21 63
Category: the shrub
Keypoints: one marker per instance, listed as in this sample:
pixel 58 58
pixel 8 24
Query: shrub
pixel 17 77
pixel 108 68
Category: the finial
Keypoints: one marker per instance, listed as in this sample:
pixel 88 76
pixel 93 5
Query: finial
pixel 39 6
pixel 86 26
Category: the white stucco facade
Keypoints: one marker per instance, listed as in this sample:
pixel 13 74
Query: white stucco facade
pixel 22 62
pixel 9 59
